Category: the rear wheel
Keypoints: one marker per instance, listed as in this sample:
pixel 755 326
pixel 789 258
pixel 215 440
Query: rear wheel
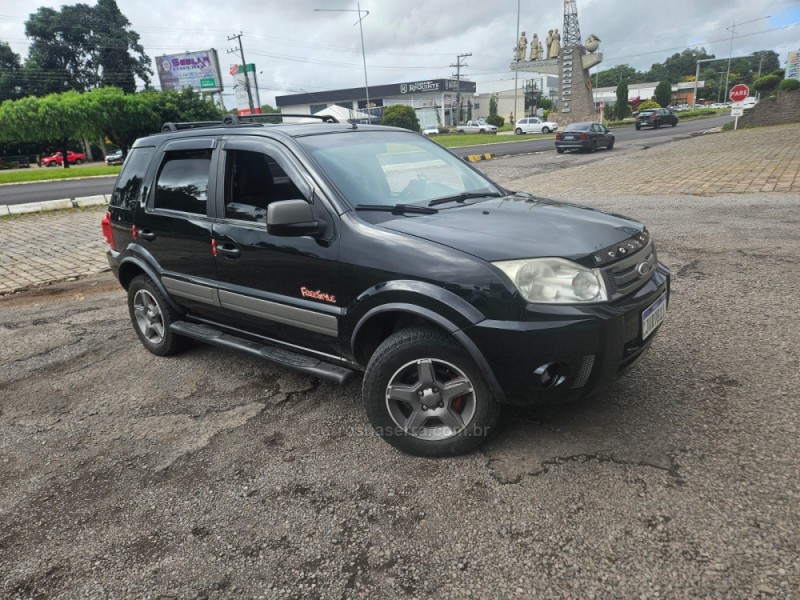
pixel 152 315
pixel 79 162
pixel 611 145
pixel 518 131
pixel 424 395
pixel 657 125
pixel 560 150
pixel 638 127
pixel 592 147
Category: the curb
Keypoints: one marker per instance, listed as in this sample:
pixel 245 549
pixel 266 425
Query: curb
pixel 478 157
pixel 66 203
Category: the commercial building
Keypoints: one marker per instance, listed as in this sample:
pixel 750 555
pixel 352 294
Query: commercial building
pixel 435 100
pixel 523 99
pixel 682 93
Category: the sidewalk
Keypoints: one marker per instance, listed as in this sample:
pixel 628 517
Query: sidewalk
pixel 44 248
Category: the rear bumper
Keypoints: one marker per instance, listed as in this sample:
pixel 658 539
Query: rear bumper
pixel 589 346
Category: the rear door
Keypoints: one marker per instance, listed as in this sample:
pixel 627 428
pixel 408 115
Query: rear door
pixel 174 231
pixel 283 288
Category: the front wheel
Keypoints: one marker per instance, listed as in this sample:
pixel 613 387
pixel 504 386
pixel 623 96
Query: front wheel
pixel 151 316
pixel 545 130
pixel 79 162
pixel 674 123
pixel 638 127
pixel 424 395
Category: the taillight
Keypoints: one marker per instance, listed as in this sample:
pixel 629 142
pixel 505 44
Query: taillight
pixel 106 223
pixel 558 136
pixel 584 136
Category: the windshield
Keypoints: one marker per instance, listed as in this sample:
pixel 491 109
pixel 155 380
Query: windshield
pixel 392 167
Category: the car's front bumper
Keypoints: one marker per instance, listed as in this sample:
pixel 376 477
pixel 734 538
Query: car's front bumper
pixel 590 345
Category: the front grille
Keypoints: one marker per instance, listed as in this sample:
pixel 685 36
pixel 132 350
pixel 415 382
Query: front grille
pixel 624 277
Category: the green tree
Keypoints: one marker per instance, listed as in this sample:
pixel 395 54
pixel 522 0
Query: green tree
pixel 120 117
pixel 616 75
pixel 649 104
pixel 10 73
pixel 493 105
pixel 400 115
pixel 663 93
pixel 621 107
pixel 55 119
pixel 182 106
pixel 80 47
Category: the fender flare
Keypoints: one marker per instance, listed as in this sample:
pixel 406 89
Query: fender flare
pixel 151 273
pixel 462 338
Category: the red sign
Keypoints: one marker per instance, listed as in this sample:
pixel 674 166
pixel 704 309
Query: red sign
pixel 739 92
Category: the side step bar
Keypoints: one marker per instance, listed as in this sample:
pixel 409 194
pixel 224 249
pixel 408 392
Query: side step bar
pixel 285 358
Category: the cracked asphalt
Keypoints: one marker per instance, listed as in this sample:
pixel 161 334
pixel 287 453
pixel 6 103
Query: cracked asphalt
pixel 215 475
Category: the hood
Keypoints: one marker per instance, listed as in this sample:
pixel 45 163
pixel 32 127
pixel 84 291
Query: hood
pixel 517 227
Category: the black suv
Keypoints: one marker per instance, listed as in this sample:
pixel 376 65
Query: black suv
pixel 656 117
pixel 332 248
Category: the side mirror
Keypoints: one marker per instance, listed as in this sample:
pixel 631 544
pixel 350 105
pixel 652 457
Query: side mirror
pixel 291 218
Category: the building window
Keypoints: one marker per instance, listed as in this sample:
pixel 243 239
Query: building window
pixel 477 106
pixel 315 108
pixel 372 101
pixel 347 105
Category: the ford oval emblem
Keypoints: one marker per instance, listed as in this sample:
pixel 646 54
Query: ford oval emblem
pixel 644 268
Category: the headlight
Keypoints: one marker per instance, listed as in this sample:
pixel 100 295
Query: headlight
pixel 555 281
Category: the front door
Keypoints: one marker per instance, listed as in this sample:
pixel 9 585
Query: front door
pixel 284 288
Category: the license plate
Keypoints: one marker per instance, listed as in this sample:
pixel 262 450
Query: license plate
pixel 653 316
pixel 569 137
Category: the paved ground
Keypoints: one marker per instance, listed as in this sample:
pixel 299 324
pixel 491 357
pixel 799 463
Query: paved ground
pixel 216 475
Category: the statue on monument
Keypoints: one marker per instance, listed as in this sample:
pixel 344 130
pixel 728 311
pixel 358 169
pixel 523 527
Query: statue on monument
pixel 554 48
pixel 535 46
pixel 548 41
pixel 521 49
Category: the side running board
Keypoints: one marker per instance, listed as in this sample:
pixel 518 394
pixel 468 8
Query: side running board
pixel 285 358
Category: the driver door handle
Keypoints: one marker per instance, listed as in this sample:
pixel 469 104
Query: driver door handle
pixel 229 250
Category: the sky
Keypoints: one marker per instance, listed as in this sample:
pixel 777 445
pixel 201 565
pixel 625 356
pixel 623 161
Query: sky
pixel 297 49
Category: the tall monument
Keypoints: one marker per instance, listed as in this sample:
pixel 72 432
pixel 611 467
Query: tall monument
pixel 571 60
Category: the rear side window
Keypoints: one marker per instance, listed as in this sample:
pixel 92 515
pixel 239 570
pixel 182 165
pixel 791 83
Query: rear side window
pixel 182 183
pixel 129 188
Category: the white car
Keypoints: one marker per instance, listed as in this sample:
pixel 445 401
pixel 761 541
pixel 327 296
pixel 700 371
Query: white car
pixel 534 125
pixel 430 130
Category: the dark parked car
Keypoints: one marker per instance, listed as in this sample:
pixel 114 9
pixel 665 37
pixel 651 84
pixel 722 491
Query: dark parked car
pixel 332 248
pixel 656 117
pixel 584 136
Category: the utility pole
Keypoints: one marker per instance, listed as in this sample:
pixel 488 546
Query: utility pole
pixel 244 66
pixel 732 29
pixel 516 71
pixel 458 66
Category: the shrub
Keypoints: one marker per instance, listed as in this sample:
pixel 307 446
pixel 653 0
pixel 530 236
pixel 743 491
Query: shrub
pixel 400 115
pixel 648 104
pixel 443 129
pixel 767 84
pixel 495 120
pixel 788 85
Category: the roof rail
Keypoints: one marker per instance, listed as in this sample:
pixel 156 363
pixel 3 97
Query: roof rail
pixel 235 120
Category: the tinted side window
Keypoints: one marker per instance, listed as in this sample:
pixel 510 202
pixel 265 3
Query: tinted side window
pixel 129 189
pixel 252 181
pixel 183 181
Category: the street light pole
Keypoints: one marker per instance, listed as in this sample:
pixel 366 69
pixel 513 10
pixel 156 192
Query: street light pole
pixel 730 51
pixel 516 71
pixel 361 29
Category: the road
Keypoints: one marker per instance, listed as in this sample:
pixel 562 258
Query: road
pixel 214 474
pixel 623 135
pixel 55 190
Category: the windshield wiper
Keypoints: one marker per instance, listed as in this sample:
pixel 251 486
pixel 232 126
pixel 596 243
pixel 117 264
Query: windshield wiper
pixel 463 197
pixel 398 208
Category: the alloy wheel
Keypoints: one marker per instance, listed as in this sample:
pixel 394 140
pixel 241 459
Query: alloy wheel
pixel 148 316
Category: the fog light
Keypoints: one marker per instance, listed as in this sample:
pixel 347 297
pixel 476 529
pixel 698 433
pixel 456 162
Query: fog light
pixel 549 375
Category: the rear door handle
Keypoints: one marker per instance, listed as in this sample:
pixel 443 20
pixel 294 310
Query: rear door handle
pixel 229 251
pixel 146 234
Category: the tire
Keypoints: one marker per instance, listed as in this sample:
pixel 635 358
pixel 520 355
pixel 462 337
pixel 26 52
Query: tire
pixel 79 162
pixel 481 131
pixel 460 132
pixel 611 145
pixel 545 130
pixel 518 131
pixel 151 317
pixel 657 125
pixel 452 424
pixel 638 127
pixel 592 148
pixel 560 150
pixel 675 123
